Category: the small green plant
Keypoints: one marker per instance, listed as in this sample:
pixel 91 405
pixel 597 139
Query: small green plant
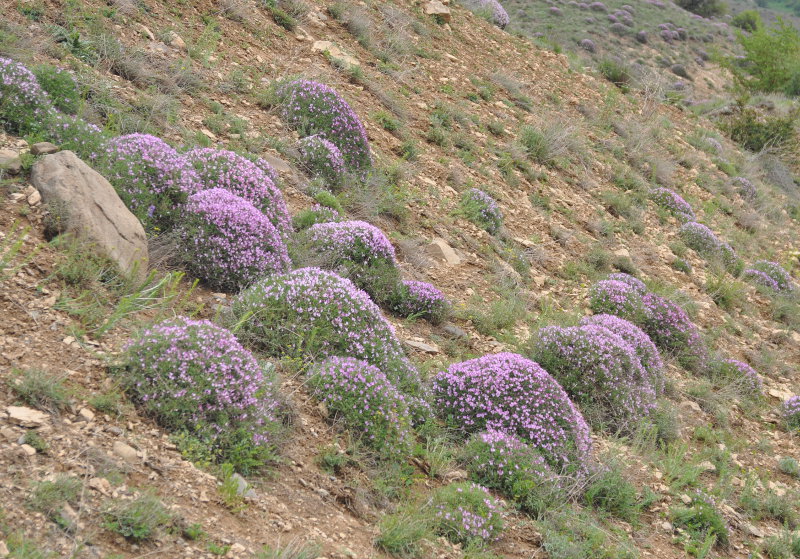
pixel 11 257
pixel 570 534
pixel 466 513
pixel 230 488
pixel 482 210
pixel 36 441
pixel 387 121
pixel 60 86
pixel 138 519
pixel 704 525
pixel 194 532
pixel 402 533
pixel 616 72
pixel 294 550
pixel 609 491
pixel 785 545
pixel 40 389
pixel 789 466
pixel 110 402
pixel 48 497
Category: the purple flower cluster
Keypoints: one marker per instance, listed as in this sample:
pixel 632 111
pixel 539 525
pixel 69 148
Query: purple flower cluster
pixel 623 16
pixel 639 341
pixel 791 412
pixel 505 462
pixel 616 297
pixel 313 108
pixel 369 404
pixel 770 274
pixel 24 105
pixel 506 392
pixel 482 209
pixel 498 14
pixel 703 240
pixel 714 144
pixel 671 329
pixel 150 176
pixel 75 134
pixel 322 159
pixel 635 283
pixel 195 377
pixel 598 7
pixel 227 170
pixel 598 369
pixel 641 36
pixel 354 241
pixel 466 513
pixel 740 373
pixel 674 203
pixel 421 299
pixel 744 187
pixel 587 45
pixel 228 242
pixel 311 314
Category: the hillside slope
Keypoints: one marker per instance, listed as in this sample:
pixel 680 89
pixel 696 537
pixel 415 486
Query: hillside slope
pixel 447 106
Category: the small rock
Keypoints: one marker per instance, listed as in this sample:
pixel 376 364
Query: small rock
pixel 277 163
pixel 8 433
pixel 26 417
pixel 689 405
pixel 666 526
pixel 176 42
pixel 243 488
pixel 124 451
pixel 707 466
pixel 455 332
pixel 10 161
pixel 436 8
pixel 28 449
pixel 686 500
pixel 4 552
pixel 754 530
pixel 440 250
pixel 146 32
pixel 43 148
pixel 34 198
pixel 101 485
pixel 422 346
pixel 86 415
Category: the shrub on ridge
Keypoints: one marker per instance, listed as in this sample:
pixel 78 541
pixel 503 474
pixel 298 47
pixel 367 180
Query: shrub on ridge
pixel 467 514
pixel 740 375
pixel 313 108
pixel 24 105
pixel 492 10
pixel 196 379
pixel 322 159
pixel 671 329
pixel 791 413
pixel 506 392
pixel 598 369
pixel 620 298
pixel 674 203
pixel 482 210
pixel 421 299
pixel 368 403
pixel 700 238
pixel 770 274
pixel 228 242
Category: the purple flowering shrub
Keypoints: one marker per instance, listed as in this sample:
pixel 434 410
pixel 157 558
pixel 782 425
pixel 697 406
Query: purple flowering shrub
pixel 24 105
pixel 492 10
pixel 482 210
pixel 620 298
pixel 230 171
pixel 598 369
pixel 632 281
pixel 760 278
pixel 227 242
pixel 467 514
pixel 791 413
pixel 506 392
pixel 643 346
pixel 587 45
pixel 309 314
pixel 740 375
pixel 196 379
pixel 419 299
pixel 322 159
pixel 641 36
pixel 313 215
pixel 763 271
pixel 366 401
pixel 150 176
pixel 504 462
pixel 313 108
pixel 703 240
pixel 73 133
pixel 674 203
pixel 672 330
pixel 357 250
pixel 744 187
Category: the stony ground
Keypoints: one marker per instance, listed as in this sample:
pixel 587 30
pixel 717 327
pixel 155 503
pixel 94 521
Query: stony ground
pixel 557 218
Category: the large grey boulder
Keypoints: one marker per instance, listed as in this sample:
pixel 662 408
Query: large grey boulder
pixel 94 211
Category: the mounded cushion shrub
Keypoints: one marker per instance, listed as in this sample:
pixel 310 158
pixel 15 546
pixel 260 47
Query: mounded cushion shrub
pixel 322 159
pixel 313 108
pixel 491 9
pixel 744 187
pixel 505 462
pixel 366 401
pixel 230 171
pixel 620 298
pixel 672 330
pixel 309 314
pixel 791 413
pixel 196 379
pixel 420 299
pixel 150 176
pixel 641 343
pixel 358 250
pixel 703 240
pixel 227 242
pixel 482 210
pixel 24 105
pixel 598 369
pixel 739 374
pixel 506 392
pixel 674 203
pixel 634 282
pixel 770 274
pixel 467 514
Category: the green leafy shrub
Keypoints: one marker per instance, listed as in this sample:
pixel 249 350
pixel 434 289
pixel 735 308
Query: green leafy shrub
pixel 138 519
pixel 40 389
pixel 755 131
pixel 615 71
pixel 610 491
pixel 60 86
pixel 703 523
pixel 747 20
pixel 482 210
pixel 705 8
